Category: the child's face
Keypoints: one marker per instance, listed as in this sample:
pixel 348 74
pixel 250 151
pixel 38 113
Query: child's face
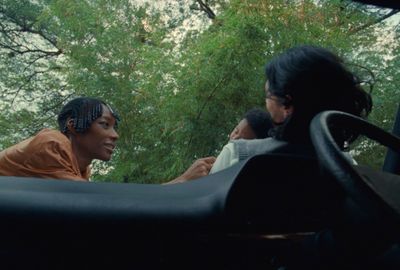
pixel 242 131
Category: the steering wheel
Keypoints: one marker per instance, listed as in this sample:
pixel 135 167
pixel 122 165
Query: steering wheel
pixel 377 192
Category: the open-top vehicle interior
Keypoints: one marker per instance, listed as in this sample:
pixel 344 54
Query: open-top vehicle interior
pixel 160 225
pixel 242 217
pixel 259 214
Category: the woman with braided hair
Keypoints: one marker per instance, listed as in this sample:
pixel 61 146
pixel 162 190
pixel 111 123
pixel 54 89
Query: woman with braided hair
pixel 87 132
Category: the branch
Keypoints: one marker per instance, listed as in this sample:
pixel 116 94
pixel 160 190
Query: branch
pixel 24 27
pixel 27 81
pixel 210 96
pixel 204 7
pixel 58 104
pixel 42 34
pixel 27 50
pixel 48 113
pixel 381 19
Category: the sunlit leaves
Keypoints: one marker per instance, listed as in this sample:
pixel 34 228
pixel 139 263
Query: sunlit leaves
pixel 178 88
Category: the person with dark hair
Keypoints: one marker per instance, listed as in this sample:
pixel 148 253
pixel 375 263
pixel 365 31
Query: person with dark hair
pixel 82 111
pixel 255 124
pixel 301 82
pixel 87 132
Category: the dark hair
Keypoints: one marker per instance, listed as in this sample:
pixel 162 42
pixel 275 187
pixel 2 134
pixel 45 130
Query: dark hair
pixel 313 79
pixel 259 121
pixel 83 111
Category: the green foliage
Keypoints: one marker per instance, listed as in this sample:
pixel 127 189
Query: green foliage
pixel 177 100
pixel 385 93
pixel 220 75
pixel 31 86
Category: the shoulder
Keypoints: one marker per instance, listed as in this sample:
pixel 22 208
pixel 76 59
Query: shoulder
pixel 228 151
pixel 50 142
pixel 254 142
pixel 53 148
pixel 227 157
pixel 257 146
pixel 50 137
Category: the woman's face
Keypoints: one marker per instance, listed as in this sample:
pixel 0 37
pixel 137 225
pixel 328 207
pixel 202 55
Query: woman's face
pixel 277 110
pixel 99 141
pixel 242 131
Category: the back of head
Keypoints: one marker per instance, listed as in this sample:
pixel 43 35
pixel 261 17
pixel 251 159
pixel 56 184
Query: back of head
pixel 83 111
pixel 259 122
pixel 313 79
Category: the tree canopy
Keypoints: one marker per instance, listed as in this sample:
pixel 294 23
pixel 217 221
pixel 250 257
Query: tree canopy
pixel 178 88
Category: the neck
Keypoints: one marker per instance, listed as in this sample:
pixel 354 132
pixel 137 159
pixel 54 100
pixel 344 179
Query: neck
pixel 83 161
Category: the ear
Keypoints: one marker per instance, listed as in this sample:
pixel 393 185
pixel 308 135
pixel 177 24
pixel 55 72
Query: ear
pixel 288 106
pixel 70 126
pixel 288 110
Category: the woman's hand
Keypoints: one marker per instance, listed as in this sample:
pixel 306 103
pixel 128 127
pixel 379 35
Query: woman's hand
pixel 201 167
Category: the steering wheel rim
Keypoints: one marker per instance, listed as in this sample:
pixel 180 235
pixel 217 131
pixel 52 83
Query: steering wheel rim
pixel 334 162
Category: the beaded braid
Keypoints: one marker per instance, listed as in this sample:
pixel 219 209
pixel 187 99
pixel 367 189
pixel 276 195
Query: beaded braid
pixel 83 111
pixel 87 114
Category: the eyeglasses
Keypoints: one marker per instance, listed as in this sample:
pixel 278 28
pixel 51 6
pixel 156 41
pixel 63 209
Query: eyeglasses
pixel 268 95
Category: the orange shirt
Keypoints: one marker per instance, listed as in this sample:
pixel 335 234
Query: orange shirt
pixel 46 155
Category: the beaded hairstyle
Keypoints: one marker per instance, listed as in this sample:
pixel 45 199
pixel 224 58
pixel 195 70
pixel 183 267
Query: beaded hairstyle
pixel 83 111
